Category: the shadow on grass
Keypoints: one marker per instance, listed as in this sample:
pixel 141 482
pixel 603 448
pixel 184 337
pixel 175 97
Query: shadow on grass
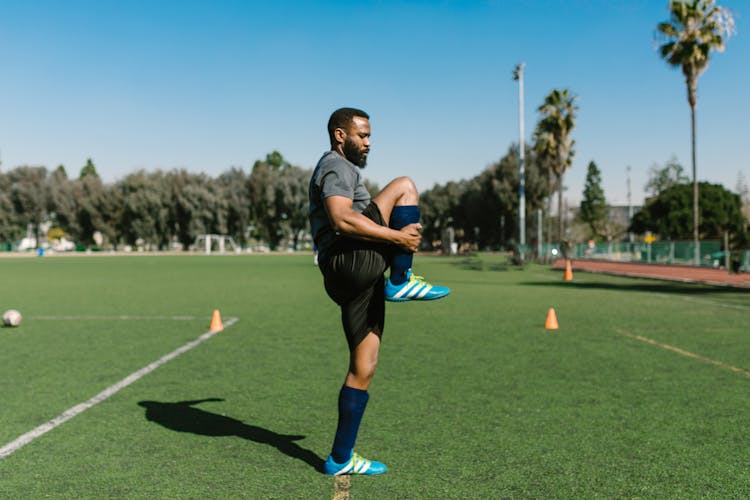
pixel 655 286
pixel 475 264
pixel 182 417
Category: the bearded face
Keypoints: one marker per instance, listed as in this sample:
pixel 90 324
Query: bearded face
pixel 355 153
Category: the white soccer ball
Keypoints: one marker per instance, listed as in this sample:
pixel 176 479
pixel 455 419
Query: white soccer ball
pixel 11 317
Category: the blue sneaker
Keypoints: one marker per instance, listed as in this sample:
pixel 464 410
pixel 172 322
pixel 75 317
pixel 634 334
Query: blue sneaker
pixel 355 465
pixel 414 288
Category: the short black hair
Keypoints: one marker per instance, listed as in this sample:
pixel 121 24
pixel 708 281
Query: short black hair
pixel 342 118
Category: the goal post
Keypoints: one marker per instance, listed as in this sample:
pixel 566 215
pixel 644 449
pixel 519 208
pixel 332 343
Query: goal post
pixel 215 243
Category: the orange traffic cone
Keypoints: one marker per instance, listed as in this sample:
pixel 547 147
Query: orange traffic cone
pixel 568 271
pixel 216 324
pixel 551 323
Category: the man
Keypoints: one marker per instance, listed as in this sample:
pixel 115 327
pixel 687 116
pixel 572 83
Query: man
pixel 357 239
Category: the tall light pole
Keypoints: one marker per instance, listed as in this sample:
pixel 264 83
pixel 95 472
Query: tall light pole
pixel 518 75
pixel 630 209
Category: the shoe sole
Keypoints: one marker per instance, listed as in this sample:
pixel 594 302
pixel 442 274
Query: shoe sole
pixel 350 473
pixel 409 299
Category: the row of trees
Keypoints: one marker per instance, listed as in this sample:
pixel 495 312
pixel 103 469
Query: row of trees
pixel 157 208
pixel 270 204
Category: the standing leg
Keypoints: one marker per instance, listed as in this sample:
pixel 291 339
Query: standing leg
pixel 353 399
pixel 353 396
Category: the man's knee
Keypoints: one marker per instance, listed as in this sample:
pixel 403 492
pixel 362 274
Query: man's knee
pixel 406 185
pixel 364 366
pixel 407 191
pixel 361 374
pixel 364 360
pixel 364 375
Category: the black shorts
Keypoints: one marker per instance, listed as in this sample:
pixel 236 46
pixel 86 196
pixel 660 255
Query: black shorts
pixel 353 277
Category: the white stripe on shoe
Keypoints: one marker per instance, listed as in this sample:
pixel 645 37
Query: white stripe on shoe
pixel 345 469
pixel 406 288
pixel 362 465
pixel 420 290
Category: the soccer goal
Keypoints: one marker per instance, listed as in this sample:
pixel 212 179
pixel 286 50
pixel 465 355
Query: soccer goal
pixel 215 243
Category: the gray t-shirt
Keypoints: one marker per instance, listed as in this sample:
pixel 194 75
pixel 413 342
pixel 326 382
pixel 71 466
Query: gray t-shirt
pixel 333 176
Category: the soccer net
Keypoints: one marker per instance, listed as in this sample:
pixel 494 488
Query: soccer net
pixel 215 243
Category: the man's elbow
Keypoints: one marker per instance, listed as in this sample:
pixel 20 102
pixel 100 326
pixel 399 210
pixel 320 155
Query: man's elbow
pixel 340 225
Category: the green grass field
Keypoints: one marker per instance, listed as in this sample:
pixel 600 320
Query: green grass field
pixel 473 397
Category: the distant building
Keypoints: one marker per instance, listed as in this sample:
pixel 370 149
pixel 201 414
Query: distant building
pixel 619 213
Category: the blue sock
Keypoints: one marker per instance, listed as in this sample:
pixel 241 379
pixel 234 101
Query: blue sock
pixel 401 216
pixel 352 404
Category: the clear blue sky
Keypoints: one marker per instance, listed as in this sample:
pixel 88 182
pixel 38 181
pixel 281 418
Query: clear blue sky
pixel 207 85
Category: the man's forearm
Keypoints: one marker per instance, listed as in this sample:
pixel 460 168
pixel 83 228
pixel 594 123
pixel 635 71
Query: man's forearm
pixel 356 225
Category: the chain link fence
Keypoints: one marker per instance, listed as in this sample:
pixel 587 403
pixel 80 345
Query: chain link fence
pixel 658 252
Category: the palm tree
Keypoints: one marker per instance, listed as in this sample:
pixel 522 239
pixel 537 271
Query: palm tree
pixel 695 29
pixel 553 139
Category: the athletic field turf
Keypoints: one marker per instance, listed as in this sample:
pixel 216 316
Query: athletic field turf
pixel 644 391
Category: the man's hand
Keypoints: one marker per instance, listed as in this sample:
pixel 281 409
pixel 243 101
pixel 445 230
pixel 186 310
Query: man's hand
pixel 412 236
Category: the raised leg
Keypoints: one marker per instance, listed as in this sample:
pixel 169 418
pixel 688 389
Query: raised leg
pixel 399 192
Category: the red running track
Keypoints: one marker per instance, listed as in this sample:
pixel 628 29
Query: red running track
pixel 659 271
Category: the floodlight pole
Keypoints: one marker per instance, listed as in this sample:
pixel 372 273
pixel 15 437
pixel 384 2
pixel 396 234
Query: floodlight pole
pixel 518 75
pixel 630 211
pixel 539 232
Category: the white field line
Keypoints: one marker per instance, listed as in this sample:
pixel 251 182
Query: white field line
pixel 114 318
pixel 30 436
pixel 685 353
pixel 342 488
